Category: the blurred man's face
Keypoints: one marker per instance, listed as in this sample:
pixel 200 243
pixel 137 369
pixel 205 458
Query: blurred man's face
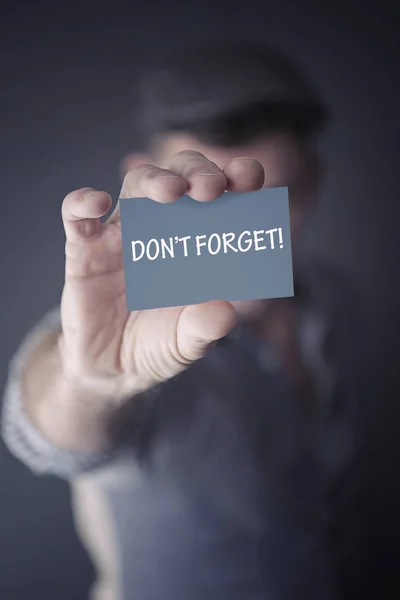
pixel 286 163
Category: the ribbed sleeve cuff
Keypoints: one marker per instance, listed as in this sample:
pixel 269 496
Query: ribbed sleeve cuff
pixel 23 440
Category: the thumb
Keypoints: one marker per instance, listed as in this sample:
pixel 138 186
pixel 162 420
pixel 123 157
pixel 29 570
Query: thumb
pixel 202 324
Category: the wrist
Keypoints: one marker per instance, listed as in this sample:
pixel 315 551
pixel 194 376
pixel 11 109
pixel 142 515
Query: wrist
pixel 112 388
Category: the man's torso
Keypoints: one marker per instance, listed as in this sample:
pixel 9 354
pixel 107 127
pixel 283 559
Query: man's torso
pixel 221 489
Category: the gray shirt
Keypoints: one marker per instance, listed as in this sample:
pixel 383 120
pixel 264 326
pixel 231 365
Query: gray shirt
pixel 219 479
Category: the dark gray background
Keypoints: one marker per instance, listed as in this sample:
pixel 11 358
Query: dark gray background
pixel 67 74
pixel 193 279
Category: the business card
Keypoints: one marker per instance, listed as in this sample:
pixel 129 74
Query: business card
pixel 237 247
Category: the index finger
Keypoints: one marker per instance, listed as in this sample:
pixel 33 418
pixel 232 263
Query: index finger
pixel 151 182
pixel 206 181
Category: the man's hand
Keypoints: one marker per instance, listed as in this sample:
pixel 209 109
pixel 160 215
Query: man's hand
pixel 74 381
pixel 101 341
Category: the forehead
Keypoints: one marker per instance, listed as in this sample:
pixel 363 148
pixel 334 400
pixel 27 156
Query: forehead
pixel 280 154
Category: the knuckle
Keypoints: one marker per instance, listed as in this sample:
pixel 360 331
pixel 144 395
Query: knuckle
pixel 187 154
pixel 153 172
pixel 134 179
pixel 77 195
pixel 245 171
pixel 197 164
pixel 194 168
pixel 69 201
pixel 245 165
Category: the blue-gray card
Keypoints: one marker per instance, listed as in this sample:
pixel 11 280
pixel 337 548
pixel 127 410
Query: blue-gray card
pixel 236 247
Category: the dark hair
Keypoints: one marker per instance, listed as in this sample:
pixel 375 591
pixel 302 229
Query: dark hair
pixel 226 94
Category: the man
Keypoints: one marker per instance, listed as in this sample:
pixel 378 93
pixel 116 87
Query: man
pixel 202 442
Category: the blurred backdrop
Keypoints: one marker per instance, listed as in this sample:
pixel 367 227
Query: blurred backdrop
pixel 67 86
